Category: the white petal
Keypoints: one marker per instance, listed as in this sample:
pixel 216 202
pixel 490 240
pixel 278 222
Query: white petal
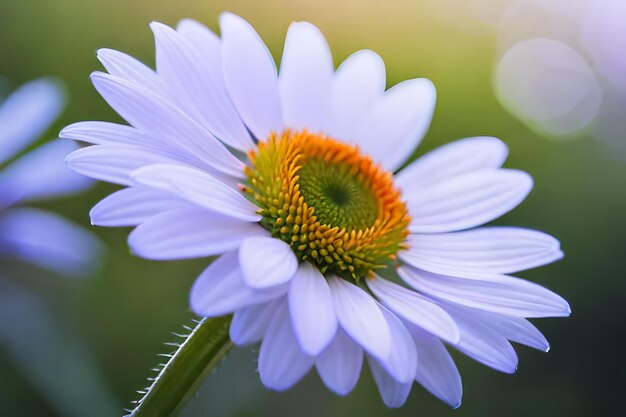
pixel 220 289
pixel 361 318
pixel 150 112
pixel 125 66
pixel 396 123
pixel 452 159
pixel 306 73
pixel 436 371
pixel 393 393
pixel 402 362
pixel 311 307
pixel 190 233
pixel 267 262
pixel 520 330
pixel 482 343
pixel 491 249
pixel 516 329
pixel 415 308
pixel 198 187
pixel 489 292
pixel 281 361
pixel 41 174
pixel 203 39
pixel 340 364
pixel 250 323
pixel 27 113
pixel 113 134
pixel 113 163
pixel 49 241
pixel 106 133
pixel 358 83
pixel 210 47
pixel 467 201
pixel 132 206
pixel 197 87
pixel 250 75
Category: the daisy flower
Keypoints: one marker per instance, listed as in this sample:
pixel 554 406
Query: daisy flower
pixel 33 235
pixel 325 255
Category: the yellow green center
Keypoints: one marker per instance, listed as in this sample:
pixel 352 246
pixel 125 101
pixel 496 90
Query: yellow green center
pixel 334 206
pixel 339 197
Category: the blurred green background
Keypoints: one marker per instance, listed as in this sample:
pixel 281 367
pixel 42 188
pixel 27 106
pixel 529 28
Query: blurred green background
pixel 126 311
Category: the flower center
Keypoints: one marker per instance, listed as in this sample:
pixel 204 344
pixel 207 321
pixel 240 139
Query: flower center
pixel 334 206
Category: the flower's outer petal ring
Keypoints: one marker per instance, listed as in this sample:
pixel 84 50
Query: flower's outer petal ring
pixel 132 206
pixel 266 262
pixel 397 122
pixel 305 80
pixel 361 318
pixel 198 86
pixel 393 392
pixel 250 75
pixel 452 159
pixel 250 323
pixel 220 289
pixel 340 364
pixel 152 113
pixel 490 292
pixel 501 250
pixel 197 187
pixel 311 308
pixel 436 371
pixel 190 232
pixel 467 201
pixel 359 81
pixel 415 308
pixel 282 363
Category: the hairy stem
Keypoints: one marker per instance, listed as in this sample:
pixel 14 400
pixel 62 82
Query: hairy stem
pixel 200 352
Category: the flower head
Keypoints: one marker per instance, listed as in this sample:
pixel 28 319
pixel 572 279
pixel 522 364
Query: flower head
pixel 336 208
pixel 33 235
pixel 288 178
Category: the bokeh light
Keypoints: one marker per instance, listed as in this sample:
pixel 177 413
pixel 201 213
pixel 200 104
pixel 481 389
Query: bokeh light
pixel 549 85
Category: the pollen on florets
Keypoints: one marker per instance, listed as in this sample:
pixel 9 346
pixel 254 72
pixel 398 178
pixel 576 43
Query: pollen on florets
pixel 333 205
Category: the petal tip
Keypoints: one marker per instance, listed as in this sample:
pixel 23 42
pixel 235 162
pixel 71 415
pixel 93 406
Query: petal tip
pixel 456 335
pixel 66 132
pixel 160 29
pixel 229 18
pixel 102 51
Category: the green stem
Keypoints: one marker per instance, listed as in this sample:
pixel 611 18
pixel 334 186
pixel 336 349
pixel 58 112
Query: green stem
pixel 202 350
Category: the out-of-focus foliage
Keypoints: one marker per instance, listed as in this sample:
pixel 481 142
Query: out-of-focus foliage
pixel 128 310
